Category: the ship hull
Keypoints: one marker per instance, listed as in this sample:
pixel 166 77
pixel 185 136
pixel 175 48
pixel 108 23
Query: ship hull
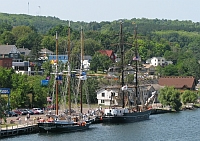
pixel 61 127
pixel 127 117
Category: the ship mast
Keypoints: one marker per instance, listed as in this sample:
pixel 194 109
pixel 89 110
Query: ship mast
pixel 81 69
pixel 121 44
pixel 69 71
pixel 56 73
pixel 136 65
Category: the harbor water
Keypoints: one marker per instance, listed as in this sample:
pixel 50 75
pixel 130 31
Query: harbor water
pixel 180 126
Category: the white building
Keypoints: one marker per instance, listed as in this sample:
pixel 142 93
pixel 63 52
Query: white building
pixel 86 62
pixel 158 61
pixel 107 96
pixel 110 96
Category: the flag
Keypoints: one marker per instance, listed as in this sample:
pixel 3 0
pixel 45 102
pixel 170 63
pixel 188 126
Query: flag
pixel 124 87
pixel 49 99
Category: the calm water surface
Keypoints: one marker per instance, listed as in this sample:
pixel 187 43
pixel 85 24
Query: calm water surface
pixel 182 126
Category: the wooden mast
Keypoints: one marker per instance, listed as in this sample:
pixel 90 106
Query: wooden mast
pixel 69 71
pixel 81 70
pixel 136 66
pixel 121 44
pixel 56 73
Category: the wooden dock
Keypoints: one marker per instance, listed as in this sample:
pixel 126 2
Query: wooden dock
pixel 18 130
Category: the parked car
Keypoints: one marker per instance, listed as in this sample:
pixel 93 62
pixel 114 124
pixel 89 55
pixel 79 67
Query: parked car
pixel 18 112
pixel 38 110
pixel 23 111
pixel 30 112
pixel 10 114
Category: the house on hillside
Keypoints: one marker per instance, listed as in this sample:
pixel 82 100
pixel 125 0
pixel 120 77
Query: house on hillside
pixel 158 61
pixel 24 51
pixel 108 53
pixel 149 69
pixel 178 82
pixel 10 51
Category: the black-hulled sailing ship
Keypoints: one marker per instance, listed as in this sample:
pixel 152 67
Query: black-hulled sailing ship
pixel 59 123
pixel 124 114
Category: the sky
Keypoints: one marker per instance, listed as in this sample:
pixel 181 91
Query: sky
pixel 105 10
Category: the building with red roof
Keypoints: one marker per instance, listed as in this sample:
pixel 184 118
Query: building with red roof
pixel 108 53
pixel 178 82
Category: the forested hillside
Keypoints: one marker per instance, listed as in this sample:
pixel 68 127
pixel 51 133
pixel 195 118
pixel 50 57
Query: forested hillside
pixel 177 41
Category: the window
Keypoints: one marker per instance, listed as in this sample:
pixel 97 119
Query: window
pixel 102 101
pixel 103 94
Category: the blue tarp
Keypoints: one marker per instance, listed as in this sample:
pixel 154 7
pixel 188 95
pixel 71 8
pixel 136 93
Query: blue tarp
pixel 44 82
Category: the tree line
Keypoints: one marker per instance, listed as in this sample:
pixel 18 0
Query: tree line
pixel 179 45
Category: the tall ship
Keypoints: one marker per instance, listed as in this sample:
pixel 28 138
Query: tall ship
pixel 135 112
pixel 64 122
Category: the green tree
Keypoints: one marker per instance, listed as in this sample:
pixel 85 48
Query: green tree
pixel 49 42
pixel 189 97
pixel 6 79
pixel 170 70
pixel 21 31
pixel 47 66
pixel 3 107
pixel 91 46
pixel 168 96
pixel 95 63
pixel 20 90
pixel 100 61
pixel 39 93
pixel 5 27
pixel 7 38
pixel 90 87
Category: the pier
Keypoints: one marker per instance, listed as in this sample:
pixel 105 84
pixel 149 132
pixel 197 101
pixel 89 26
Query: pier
pixel 18 130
